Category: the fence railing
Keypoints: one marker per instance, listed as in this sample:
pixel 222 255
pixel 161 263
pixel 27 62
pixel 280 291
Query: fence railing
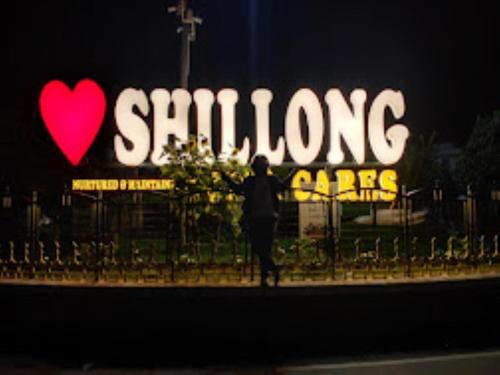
pixel 135 237
pixel 91 262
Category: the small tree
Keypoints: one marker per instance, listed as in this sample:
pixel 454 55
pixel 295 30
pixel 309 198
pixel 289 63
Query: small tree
pixel 416 168
pixel 199 194
pixel 480 163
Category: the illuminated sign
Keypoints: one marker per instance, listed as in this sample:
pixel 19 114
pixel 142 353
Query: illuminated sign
pixel 121 184
pixel 346 122
pixel 365 185
pixel 73 118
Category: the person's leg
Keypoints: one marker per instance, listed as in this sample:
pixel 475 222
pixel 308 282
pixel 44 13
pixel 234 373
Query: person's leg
pixel 272 265
pixel 265 245
pixel 257 244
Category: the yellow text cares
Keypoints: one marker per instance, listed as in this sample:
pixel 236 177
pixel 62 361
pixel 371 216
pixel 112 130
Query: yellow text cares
pixel 365 185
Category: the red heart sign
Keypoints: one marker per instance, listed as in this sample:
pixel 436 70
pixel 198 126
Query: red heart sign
pixel 73 119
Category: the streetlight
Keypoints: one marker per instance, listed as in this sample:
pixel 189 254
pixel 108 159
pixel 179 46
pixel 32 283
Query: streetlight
pixel 188 35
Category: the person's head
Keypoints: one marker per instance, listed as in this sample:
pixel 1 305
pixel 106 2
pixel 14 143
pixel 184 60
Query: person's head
pixel 260 165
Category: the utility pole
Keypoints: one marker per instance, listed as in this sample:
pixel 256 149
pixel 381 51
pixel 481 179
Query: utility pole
pixel 187 29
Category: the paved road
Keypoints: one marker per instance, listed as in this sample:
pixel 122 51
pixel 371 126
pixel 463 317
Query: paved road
pixel 457 364
pixel 477 363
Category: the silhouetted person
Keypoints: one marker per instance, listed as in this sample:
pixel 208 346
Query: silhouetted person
pixel 260 212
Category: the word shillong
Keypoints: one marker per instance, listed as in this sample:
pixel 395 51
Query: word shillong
pixel 346 122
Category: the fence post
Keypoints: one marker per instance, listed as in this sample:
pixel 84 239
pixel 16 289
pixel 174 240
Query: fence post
pixel 397 256
pixel 67 219
pixel 330 232
pixel 169 258
pixel 7 225
pixel 406 229
pixel 496 253
pixel 33 220
pixel 470 213
pixel 99 204
pixel 337 210
pixel 373 213
pixel 437 197
pixel 433 249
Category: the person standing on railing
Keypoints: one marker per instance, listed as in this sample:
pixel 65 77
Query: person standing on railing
pixel 260 212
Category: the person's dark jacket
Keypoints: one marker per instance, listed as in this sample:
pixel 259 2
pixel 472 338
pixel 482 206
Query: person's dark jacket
pixel 246 188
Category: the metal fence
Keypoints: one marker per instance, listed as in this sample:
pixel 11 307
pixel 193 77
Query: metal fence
pixel 125 237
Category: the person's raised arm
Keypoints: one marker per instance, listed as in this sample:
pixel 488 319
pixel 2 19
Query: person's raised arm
pixel 237 188
pixel 285 183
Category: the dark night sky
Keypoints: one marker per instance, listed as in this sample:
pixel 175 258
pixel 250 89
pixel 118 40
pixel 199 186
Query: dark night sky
pixel 443 56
